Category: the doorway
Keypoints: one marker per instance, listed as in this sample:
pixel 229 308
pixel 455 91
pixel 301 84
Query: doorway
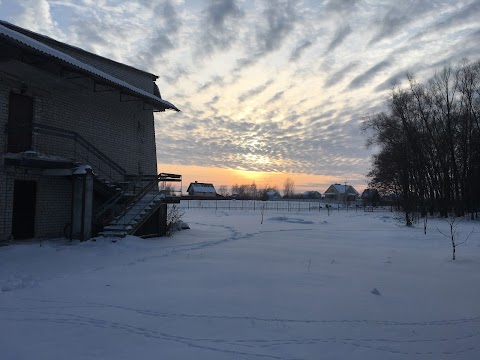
pixel 24 201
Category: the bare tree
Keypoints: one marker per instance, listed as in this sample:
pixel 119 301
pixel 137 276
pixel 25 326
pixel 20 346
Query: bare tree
pixel 243 190
pixel 234 190
pixel 174 216
pixel 288 188
pixel 169 190
pixel 454 234
pixel 253 192
pixel 223 190
pixel 429 143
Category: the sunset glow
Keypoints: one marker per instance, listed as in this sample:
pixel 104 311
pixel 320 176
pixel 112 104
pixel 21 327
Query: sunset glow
pixel 229 177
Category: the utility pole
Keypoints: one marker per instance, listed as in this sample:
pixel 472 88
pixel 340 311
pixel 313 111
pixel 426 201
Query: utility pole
pixel 346 201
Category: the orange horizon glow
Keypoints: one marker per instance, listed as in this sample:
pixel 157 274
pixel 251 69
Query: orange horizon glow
pixel 229 177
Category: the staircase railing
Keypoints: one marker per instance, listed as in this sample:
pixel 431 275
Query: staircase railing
pixel 122 204
pixel 77 148
pixel 122 208
pixel 116 205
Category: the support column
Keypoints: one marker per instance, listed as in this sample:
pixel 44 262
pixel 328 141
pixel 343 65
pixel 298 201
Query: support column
pixel 82 204
pixel 87 205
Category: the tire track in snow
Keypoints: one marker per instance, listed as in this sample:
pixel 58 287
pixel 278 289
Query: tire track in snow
pixel 200 342
pixel 447 322
pixel 235 235
pixel 474 319
pixel 79 320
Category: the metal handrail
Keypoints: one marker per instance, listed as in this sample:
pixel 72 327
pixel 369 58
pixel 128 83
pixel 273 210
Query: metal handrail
pixel 107 213
pixel 77 140
pixel 132 200
pixel 151 187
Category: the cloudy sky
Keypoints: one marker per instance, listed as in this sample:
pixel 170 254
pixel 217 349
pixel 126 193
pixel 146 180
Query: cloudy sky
pixel 268 89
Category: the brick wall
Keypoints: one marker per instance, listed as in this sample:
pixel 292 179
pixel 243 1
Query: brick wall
pixel 6 197
pixel 123 131
pixel 4 90
pixel 53 207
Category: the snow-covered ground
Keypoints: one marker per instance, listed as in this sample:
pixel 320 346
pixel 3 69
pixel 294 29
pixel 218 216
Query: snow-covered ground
pixel 299 286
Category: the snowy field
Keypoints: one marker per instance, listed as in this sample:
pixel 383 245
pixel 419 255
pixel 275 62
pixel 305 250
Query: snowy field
pixel 299 286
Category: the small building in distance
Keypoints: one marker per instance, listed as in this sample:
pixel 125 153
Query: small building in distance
pixel 272 194
pixel 339 192
pixel 312 195
pixel 201 189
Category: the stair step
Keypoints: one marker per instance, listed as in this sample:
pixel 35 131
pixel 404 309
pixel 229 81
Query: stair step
pixel 136 213
pixel 118 227
pixel 113 233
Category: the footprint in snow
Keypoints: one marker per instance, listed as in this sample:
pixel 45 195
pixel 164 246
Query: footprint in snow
pixel 375 292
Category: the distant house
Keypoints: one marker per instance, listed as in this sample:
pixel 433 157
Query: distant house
pixel 272 194
pixel 312 195
pixel 338 192
pixel 201 189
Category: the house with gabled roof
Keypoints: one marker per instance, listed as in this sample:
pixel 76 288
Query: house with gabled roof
pixel 312 194
pixel 272 194
pixel 78 153
pixel 339 192
pixel 201 189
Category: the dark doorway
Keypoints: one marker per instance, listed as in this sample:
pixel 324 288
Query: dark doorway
pixel 24 198
pixel 20 117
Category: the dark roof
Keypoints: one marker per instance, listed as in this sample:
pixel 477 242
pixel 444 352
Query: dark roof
pixel 46 39
pixel 26 41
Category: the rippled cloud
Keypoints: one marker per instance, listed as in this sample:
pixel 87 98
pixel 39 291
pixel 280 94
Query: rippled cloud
pixel 271 86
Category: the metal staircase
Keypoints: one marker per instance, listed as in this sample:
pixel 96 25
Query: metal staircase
pixel 124 202
pixel 126 212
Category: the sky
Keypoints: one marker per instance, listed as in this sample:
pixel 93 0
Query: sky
pixel 268 90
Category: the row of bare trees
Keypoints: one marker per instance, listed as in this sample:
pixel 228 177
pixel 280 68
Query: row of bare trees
pixel 429 143
pixel 251 191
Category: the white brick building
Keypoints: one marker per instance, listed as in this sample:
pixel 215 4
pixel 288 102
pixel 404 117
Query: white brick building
pixel 62 107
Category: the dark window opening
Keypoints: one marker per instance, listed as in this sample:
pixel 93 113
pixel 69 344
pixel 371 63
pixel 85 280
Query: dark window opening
pixel 20 118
